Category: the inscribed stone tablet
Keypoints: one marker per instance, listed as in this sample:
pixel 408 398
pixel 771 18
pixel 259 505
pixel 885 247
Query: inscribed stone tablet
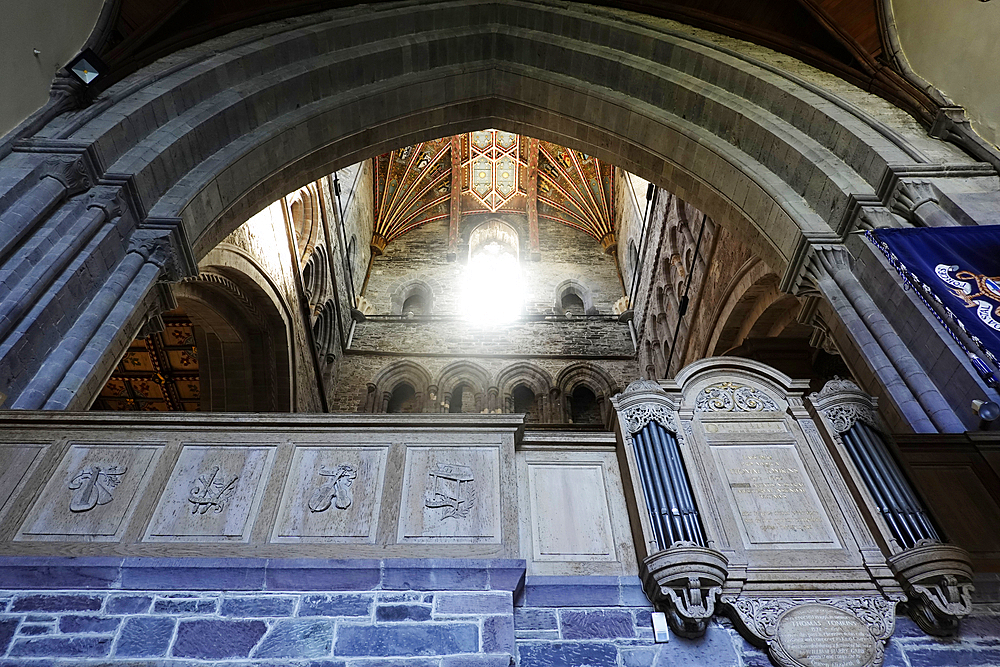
pixel 818 635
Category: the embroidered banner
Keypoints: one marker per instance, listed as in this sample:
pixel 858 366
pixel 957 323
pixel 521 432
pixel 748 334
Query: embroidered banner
pixel 959 268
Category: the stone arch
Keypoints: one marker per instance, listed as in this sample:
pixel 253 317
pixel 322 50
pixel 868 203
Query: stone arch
pixel 303 211
pixel 225 128
pixel 409 290
pixel 316 277
pixel 405 371
pixel 574 287
pixel 595 378
pixel 744 307
pixel 533 377
pixel 243 336
pixel 464 373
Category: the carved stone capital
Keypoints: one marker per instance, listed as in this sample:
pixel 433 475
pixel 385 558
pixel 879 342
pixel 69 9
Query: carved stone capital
pixel 873 217
pixel 70 171
pixel 685 582
pixel 937 579
pixel 911 195
pixel 111 200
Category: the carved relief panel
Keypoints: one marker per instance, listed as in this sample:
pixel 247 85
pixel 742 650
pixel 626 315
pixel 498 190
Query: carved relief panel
pixel 212 494
pixel 17 462
pixel 450 495
pixel 332 494
pixel 92 494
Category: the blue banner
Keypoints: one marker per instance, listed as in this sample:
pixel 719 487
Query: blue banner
pixel 959 269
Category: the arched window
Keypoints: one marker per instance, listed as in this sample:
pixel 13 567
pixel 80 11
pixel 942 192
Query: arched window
pixel 492 290
pixel 458 398
pixel 524 402
pixel 414 306
pixel 573 299
pixel 584 408
pixel 572 305
pixel 403 399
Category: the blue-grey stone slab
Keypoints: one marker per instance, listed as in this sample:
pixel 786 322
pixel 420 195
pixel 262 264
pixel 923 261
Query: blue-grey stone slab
pixel 478 660
pixel 94 646
pixel 293 574
pixel 145 637
pixel 325 663
pixel 396 662
pixel 953 656
pixel 573 591
pixel 128 604
pixel 258 605
pixel 194 574
pixel 632 594
pixel 335 605
pixel 643 618
pixel 402 639
pixel 498 634
pixel 597 624
pixel 26 572
pixel 57 603
pixel 185 606
pixel 402 612
pixel 297 638
pixel 210 639
pixel 73 623
pixel 564 654
pixel 434 575
pixel 7 628
pixel 717 648
pixel 528 618
pixel 498 602
pixel 638 657
pixel 985 629
pixel 37 629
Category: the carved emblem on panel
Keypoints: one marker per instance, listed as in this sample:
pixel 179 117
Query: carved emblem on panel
pixel 91 494
pixel 336 491
pixel 819 632
pixel 212 491
pixel 451 494
pixel 733 397
pixel 332 494
pixel 213 494
pixel 452 487
pixel 94 486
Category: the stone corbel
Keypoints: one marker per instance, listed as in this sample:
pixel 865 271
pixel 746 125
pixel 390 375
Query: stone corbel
pixel 685 582
pixel 917 201
pixel 937 579
pixel 953 125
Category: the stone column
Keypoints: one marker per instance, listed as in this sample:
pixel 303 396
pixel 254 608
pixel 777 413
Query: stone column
pixel 918 202
pixel 917 397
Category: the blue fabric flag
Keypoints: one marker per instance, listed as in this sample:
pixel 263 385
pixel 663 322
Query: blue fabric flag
pixel 959 268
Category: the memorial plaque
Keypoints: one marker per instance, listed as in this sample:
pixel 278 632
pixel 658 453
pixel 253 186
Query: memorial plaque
pixel 818 635
pixel 773 497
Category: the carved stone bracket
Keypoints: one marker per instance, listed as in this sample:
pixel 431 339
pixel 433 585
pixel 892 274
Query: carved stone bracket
pixel 685 582
pixel 937 579
pixel 644 401
pixel 805 632
pixel 910 196
pixel 638 416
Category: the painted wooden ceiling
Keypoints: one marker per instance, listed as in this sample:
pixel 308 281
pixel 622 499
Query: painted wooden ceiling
pixel 841 36
pixel 497 172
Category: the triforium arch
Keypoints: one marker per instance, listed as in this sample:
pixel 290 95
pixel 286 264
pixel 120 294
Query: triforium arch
pixel 534 378
pixel 463 374
pixel 394 375
pixel 592 377
pixel 787 162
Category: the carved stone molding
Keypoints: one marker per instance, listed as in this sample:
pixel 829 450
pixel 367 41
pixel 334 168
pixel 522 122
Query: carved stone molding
pixel 804 632
pixel 910 196
pixel 636 417
pixel 842 403
pixel 70 171
pixel 937 579
pixel 685 582
pixel 733 397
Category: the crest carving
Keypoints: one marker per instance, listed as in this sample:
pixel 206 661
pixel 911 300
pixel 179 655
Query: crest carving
pixel 452 487
pixel 212 492
pixel 336 491
pixel 843 416
pixel 733 397
pixel 94 486
pixel 638 416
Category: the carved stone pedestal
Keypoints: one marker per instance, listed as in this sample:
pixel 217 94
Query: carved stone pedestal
pixel 817 632
pixel 684 582
pixel 937 579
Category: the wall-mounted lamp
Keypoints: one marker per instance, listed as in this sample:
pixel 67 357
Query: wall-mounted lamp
pixel 988 411
pixel 87 67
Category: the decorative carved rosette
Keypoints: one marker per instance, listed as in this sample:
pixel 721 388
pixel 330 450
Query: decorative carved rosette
pixel 733 397
pixel 762 617
pixel 938 581
pixel 685 582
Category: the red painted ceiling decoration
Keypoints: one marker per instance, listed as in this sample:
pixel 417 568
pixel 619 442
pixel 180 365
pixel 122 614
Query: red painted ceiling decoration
pixel 413 185
pixel 158 373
